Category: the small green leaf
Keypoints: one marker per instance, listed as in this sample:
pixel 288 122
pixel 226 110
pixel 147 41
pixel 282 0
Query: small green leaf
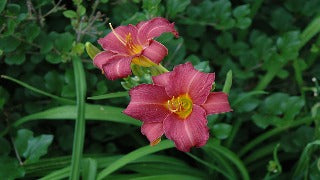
pixel 81 10
pixel 5 147
pixel 63 42
pixel 222 14
pixel 222 130
pixel 78 49
pixel 241 14
pixel 2 5
pixel 289 44
pixel 4 97
pixel 9 44
pixel 37 147
pixel 31 31
pixel 225 40
pixel 21 141
pixel 53 81
pixel 70 14
pixel 203 66
pixel 15 58
pixel 151 7
pixel 10 168
pixel 13 9
pixel 53 58
pixel 176 6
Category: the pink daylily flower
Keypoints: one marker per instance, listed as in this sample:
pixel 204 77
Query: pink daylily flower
pixel 132 44
pixel 177 105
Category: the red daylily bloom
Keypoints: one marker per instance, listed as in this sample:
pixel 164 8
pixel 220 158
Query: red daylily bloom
pixel 132 44
pixel 177 105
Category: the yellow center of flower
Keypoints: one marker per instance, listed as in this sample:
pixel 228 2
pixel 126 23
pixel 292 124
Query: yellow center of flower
pixel 181 105
pixel 134 49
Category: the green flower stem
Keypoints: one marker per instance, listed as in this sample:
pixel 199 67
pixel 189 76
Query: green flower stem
pixel 80 82
pixel 158 69
pixel 271 133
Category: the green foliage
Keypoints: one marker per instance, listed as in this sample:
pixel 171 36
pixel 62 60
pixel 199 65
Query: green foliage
pixel 264 55
pixel 32 148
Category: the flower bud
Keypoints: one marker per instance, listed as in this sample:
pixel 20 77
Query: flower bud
pixel 91 50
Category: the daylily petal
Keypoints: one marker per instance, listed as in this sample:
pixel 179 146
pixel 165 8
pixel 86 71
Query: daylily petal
pixel 190 132
pixel 162 79
pixel 155 51
pixel 154 28
pixel 186 79
pixel 103 58
pixel 117 68
pixel 112 43
pixel 148 103
pixel 217 102
pixel 153 131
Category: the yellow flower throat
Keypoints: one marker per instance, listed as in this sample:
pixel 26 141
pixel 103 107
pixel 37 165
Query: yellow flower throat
pixel 133 49
pixel 181 106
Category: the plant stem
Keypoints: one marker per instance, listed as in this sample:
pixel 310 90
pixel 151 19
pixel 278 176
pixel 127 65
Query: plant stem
pixel 79 134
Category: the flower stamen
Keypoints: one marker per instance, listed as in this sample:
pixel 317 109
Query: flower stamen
pixel 181 105
pixel 116 34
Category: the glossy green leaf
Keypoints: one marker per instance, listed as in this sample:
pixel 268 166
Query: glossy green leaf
pixel 5 147
pixel 143 151
pixel 2 5
pixel 70 14
pixel 176 6
pixel 9 43
pixel 89 171
pixel 10 168
pixel 222 130
pixel 37 147
pixel 110 95
pixel 31 31
pixel 21 141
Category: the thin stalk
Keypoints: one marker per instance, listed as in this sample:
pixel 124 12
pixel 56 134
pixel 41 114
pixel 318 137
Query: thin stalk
pixel 79 134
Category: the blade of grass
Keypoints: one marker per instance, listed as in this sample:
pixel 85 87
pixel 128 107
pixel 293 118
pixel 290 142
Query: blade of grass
pixel 93 112
pixel 80 82
pixel 36 90
pixel 271 133
pixel 230 156
pixel 89 170
pixel 167 176
pixel 303 162
pixel 210 165
pixel 102 160
pixel 143 151
pixel 110 95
